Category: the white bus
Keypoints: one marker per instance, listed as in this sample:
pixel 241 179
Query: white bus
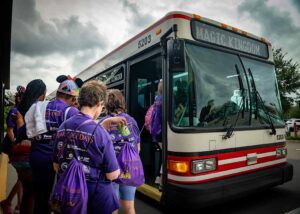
pixel 223 131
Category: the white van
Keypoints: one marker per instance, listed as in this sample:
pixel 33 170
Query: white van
pixel 289 124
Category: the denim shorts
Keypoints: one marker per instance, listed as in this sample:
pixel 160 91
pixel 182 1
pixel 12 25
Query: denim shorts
pixel 124 192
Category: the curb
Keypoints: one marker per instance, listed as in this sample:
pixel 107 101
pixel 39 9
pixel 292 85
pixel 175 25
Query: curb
pixel 3 173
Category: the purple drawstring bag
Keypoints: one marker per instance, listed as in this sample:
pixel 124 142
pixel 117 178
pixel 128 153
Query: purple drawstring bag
pixel 156 117
pixel 70 195
pixel 131 167
pixel 126 149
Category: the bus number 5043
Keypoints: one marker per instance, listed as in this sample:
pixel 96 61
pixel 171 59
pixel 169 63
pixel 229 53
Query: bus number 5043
pixel 144 41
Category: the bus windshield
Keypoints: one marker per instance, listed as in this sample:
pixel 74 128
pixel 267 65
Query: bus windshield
pixel 215 91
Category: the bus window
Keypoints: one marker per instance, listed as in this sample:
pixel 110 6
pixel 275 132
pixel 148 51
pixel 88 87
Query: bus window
pixel 207 94
pixel 266 85
pixel 113 78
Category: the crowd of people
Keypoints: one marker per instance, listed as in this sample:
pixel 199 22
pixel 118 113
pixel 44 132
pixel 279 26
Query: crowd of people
pixel 43 137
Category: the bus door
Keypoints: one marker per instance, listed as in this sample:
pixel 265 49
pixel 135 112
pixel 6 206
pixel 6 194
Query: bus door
pixel 144 75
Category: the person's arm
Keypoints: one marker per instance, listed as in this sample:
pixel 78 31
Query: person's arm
pixel 19 120
pixel 11 124
pixel 10 134
pixel 110 162
pixel 21 128
pixel 113 175
pixel 57 149
pixel 137 132
pixel 118 121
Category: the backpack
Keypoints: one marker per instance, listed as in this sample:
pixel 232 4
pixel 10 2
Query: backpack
pixel 130 164
pixel 148 118
pixel 70 195
pixel 156 117
pixel 131 167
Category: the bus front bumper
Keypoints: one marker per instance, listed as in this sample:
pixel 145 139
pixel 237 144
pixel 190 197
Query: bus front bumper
pixel 205 194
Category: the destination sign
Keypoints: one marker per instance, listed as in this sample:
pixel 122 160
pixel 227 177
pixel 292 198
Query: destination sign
pixel 212 34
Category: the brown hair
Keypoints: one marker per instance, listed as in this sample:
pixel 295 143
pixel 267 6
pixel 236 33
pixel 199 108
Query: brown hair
pixel 91 93
pixel 115 101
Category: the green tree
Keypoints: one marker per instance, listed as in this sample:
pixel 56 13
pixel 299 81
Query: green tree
pixel 288 77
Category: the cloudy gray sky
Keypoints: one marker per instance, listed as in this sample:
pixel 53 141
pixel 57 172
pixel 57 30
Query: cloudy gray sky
pixel 56 37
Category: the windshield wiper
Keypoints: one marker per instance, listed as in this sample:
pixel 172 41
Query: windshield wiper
pixel 257 95
pixel 230 129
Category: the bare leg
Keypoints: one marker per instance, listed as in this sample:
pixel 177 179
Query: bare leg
pixel 128 206
pixel 13 192
pixel 25 177
pixel 19 195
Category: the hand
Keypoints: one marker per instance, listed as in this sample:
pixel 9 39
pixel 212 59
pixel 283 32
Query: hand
pixel 118 121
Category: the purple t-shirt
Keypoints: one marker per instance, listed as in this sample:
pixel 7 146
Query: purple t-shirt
pixel 9 121
pixel 55 116
pixel 95 151
pixel 118 139
pixel 41 156
pixel 7 144
pixel 97 158
pixel 57 112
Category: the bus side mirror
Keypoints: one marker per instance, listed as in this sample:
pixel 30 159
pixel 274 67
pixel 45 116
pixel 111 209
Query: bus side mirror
pixel 176 55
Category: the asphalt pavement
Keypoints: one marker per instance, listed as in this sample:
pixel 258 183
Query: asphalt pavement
pixel 284 199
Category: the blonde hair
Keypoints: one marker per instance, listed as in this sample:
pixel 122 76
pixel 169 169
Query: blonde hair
pixel 160 87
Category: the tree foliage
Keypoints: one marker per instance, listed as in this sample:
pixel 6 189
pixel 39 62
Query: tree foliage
pixel 288 77
pixel 294 112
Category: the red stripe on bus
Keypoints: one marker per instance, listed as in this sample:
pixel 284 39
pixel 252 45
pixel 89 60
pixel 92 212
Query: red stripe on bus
pixel 228 155
pixel 223 177
pixel 244 163
pixel 171 16
pixel 230 166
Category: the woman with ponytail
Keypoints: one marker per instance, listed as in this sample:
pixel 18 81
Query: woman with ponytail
pixel 42 121
pixel 35 91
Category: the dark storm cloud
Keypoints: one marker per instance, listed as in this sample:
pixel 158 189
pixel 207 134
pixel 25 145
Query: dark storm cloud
pixel 89 57
pixel 296 4
pixel 138 20
pixel 278 27
pixel 33 36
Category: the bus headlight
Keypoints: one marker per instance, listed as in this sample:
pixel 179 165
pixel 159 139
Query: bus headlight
pixel 205 165
pixel 281 152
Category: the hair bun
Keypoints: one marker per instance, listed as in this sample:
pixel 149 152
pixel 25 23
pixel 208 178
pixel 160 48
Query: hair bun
pixel 21 89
